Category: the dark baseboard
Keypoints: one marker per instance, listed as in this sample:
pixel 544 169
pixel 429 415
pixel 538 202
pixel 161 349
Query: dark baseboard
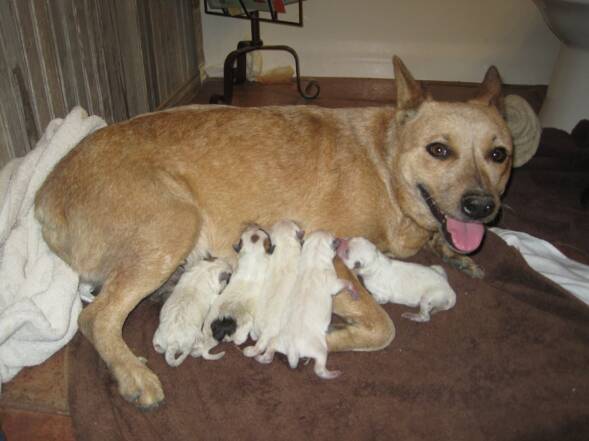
pixel 349 92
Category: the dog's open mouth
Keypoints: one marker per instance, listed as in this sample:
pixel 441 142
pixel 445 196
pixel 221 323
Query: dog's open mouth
pixel 464 237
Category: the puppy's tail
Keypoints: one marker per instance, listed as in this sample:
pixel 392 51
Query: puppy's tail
pixel 223 327
pixel 201 349
pixel 172 357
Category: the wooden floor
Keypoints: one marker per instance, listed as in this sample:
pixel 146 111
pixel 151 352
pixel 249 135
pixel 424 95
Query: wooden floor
pixel 34 406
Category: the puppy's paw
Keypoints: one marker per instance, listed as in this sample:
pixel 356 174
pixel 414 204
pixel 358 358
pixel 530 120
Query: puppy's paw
pixel 266 357
pixel 139 385
pixel 414 317
pixel 326 374
pixel 251 351
pixel 243 330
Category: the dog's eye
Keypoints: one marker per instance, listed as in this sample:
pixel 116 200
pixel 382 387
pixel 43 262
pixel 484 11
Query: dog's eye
pixel 438 150
pixel 498 154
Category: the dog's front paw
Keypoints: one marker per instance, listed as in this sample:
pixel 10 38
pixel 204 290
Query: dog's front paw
pixel 139 385
pixel 466 265
pixel 459 261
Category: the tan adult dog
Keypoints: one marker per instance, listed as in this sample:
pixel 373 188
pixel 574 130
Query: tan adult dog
pixel 127 206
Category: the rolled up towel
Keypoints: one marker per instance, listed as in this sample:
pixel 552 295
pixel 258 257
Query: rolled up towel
pixel 525 128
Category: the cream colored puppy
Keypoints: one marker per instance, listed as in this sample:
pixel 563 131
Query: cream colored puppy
pixel 275 297
pixel 181 318
pixel 309 310
pixel 231 317
pixel 390 280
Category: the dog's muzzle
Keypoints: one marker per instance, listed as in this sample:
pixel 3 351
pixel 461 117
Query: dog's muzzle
pixel 463 236
pixel 477 206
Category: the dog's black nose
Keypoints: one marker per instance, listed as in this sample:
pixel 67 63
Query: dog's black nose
pixel 223 327
pixel 477 206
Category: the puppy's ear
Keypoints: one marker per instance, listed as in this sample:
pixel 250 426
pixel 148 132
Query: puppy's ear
pixel 410 94
pixel 269 246
pixel 489 92
pixel 224 277
pixel 209 257
pixel 335 244
pixel 238 245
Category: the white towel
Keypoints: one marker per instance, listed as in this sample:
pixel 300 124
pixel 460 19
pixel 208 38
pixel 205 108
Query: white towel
pixel 39 303
pixel 543 257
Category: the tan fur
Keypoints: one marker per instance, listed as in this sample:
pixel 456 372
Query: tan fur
pixel 127 205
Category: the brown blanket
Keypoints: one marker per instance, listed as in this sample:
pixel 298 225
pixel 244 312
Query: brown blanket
pixel 509 362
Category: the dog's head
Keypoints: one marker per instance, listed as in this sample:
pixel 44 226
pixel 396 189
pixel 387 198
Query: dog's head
pixel 451 161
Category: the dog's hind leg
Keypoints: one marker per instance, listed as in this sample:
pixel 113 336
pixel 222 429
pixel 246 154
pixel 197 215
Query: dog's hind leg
pixel 149 260
pixel 367 326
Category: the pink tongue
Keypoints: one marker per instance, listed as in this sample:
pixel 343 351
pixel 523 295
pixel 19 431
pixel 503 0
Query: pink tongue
pixel 466 236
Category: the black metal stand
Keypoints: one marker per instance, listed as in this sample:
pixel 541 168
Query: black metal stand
pixel 234 69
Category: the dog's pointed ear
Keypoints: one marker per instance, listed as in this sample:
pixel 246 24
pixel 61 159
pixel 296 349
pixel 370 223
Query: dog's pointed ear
pixel 489 92
pixel 410 94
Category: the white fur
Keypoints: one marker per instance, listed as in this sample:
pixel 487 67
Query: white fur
pixel 183 313
pixel 406 283
pixel 238 300
pixel 277 290
pixel 309 309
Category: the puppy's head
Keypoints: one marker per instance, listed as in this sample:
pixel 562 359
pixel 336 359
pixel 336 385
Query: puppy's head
pixel 357 253
pixel 320 244
pixel 254 240
pixel 287 231
pixel 450 161
pixel 223 327
pixel 218 273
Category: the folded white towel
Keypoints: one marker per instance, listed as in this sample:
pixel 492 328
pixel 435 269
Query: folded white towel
pixel 39 302
pixel 543 257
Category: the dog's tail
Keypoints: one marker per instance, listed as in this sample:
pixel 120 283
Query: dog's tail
pixel 222 327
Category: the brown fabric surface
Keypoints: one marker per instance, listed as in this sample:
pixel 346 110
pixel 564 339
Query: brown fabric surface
pixel 509 362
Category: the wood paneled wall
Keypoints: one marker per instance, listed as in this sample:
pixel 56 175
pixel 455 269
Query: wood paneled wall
pixel 115 58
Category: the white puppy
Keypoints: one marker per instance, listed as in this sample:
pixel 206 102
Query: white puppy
pixel 181 318
pixel 390 280
pixel 287 238
pixel 309 308
pixel 231 316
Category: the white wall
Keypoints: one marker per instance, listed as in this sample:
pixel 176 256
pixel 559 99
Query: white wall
pixel 454 40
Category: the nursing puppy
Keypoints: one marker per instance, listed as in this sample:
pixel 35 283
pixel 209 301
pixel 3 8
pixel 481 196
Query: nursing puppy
pixel 132 200
pixel 231 317
pixel 277 292
pixel 309 312
pixel 181 318
pixel 390 280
